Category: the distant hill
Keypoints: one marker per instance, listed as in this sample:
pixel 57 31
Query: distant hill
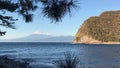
pixel 43 38
pixel 104 28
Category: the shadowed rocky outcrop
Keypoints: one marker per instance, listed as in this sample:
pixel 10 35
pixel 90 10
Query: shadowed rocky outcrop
pixel 102 29
pixel 6 62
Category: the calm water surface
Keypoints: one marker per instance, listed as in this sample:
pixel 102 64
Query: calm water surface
pixel 42 55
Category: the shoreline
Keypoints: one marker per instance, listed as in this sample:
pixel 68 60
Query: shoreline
pixel 104 43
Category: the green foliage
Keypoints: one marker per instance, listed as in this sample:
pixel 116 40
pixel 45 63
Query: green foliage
pixel 105 27
pixel 55 10
pixel 7 5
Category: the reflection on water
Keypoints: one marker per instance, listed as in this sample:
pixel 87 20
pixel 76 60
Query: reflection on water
pixel 43 54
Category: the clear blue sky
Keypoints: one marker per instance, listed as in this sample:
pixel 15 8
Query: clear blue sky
pixel 68 26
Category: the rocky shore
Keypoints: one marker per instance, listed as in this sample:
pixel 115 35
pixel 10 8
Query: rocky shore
pixel 6 62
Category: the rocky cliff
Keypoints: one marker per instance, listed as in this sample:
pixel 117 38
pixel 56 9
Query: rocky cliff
pixel 102 29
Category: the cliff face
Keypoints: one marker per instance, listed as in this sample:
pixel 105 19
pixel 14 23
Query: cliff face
pixel 104 28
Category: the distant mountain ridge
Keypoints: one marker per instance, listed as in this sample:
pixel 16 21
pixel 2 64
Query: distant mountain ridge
pixel 41 38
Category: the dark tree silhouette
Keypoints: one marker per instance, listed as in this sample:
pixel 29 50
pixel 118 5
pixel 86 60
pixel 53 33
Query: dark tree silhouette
pixel 55 10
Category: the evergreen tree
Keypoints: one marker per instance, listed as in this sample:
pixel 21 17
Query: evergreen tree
pixel 55 10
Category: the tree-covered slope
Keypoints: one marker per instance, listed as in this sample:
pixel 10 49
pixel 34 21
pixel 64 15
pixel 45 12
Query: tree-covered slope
pixel 104 28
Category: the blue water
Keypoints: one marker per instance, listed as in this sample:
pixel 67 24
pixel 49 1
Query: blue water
pixel 41 55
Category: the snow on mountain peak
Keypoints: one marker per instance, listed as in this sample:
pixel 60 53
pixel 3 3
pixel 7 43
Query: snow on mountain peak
pixel 41 33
